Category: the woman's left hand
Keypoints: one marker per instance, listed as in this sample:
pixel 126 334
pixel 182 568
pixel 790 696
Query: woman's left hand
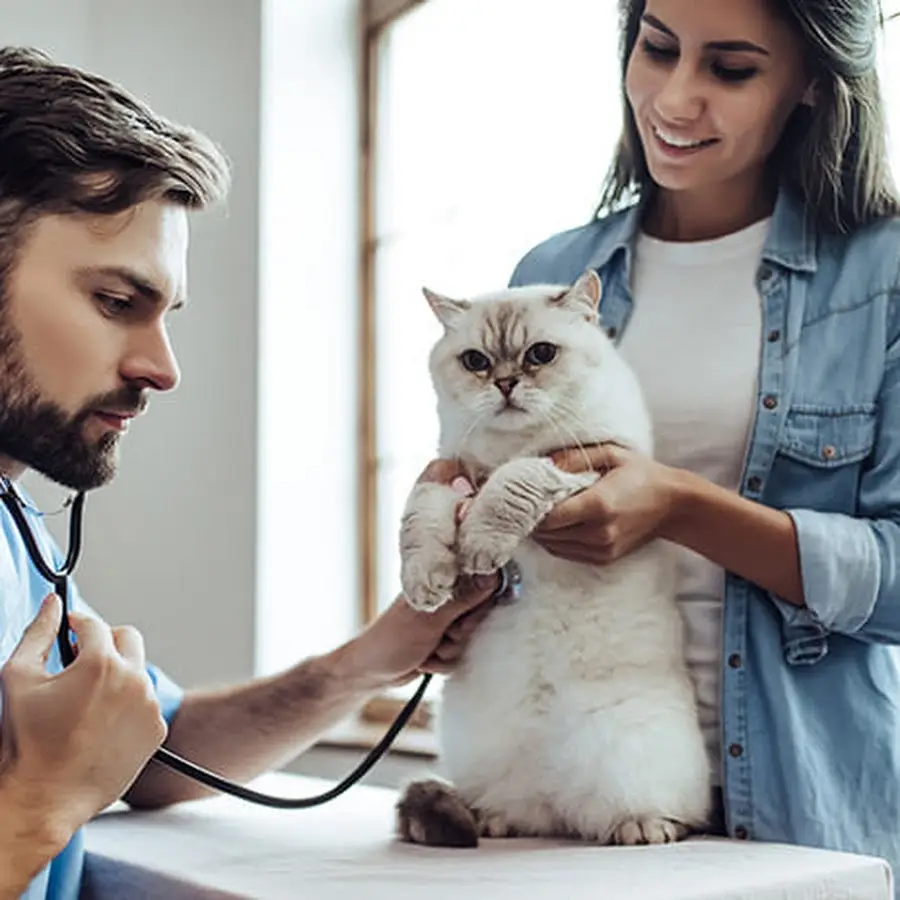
pixel 630 504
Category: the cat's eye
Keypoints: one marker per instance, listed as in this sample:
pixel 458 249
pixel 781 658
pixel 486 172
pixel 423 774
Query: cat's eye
pixel 474 361
pixel 541 354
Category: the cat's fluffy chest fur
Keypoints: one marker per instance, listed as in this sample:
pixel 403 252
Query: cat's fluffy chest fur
pixel 572 712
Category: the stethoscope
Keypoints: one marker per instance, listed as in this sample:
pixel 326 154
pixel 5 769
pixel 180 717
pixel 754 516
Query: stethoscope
pixel 59 578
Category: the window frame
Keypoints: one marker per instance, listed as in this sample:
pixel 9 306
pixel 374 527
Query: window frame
pixel 377 15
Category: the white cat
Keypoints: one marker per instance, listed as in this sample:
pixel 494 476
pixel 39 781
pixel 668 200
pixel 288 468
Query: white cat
pixel 572 713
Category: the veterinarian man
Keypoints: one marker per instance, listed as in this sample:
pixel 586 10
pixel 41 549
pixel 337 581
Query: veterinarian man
pixel 95 191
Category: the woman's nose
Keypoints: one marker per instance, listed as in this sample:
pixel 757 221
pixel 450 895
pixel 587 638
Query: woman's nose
pixel 680 98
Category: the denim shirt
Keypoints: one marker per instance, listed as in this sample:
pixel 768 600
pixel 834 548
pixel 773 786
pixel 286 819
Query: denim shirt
pixel 810 695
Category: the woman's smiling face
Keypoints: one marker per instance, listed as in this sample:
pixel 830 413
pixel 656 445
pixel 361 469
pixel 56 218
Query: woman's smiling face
pixel 711 85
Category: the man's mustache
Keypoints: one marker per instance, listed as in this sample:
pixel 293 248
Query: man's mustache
pixel 127 400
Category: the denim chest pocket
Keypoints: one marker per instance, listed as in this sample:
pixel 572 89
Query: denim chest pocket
pixel 821 454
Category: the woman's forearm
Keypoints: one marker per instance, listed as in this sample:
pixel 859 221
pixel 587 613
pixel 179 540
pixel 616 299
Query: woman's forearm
pixel 751 540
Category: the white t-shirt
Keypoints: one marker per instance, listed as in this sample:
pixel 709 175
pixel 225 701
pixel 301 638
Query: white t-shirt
pixel 694 340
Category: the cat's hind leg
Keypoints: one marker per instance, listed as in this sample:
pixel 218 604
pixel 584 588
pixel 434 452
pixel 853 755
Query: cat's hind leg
pixel 495 825
pixel 428 566
pixel 649 830
pixel 431 812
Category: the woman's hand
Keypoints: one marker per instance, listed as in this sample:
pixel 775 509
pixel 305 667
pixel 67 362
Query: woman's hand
pixel 633 502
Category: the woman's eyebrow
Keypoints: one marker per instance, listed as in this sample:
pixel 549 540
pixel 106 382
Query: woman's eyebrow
pixel 725 46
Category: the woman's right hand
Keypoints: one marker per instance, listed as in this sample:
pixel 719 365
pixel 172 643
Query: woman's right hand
pixel 72 743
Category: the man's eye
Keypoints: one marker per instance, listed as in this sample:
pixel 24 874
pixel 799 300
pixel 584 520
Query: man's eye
pixel 112 304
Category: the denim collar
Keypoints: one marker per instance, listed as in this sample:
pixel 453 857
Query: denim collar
pixel 791 242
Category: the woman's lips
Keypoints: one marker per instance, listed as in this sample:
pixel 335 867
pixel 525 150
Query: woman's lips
pixel 676 147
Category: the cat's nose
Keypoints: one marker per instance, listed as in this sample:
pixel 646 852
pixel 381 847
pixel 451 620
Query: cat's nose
pixel 506 385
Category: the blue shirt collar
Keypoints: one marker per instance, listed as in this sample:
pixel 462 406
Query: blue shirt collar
pixel 791 241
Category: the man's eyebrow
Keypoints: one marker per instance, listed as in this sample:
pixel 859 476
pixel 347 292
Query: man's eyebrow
pixel 138 282
pixel 725 46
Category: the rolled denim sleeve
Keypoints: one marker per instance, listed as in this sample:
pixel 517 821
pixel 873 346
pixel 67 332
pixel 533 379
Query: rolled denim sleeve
pixel 840 563
pixel 851 565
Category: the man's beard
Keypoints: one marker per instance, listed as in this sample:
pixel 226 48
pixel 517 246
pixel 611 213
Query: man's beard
pixel 37 433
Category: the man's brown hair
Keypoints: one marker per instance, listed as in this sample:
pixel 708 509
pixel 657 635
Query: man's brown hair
pixel 73 142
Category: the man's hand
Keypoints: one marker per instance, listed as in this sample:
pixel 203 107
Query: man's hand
pixel 403 642
pixel 71 743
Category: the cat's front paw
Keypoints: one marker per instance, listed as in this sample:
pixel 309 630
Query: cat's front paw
pixel 483 550
pixel 428 577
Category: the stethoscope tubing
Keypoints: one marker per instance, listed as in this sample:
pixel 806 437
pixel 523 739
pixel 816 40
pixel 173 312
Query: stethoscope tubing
pixel 59 578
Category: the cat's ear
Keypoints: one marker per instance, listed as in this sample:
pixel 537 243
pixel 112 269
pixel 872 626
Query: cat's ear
pixel 446 309
pixel 584 296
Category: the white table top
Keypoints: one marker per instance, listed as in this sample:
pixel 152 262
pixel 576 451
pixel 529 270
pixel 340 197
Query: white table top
pixel 346 850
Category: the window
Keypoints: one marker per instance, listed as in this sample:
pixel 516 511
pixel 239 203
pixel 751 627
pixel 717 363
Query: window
pixel 492 127
pixel 493 123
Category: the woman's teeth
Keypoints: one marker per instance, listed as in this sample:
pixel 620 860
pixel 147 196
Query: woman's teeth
pixel 677 142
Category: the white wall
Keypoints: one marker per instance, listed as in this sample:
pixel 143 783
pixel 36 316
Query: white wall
pixel 308 569
pixel 173 538
pixel 171 545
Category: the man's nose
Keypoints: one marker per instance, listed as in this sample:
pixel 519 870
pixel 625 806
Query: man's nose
pixel 151 360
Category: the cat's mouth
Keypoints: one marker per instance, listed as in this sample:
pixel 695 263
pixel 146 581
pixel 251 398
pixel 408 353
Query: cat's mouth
pixel 510 406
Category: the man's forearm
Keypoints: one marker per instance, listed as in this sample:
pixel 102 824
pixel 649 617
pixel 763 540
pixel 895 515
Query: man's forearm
pixel 242 731
pixel 29 839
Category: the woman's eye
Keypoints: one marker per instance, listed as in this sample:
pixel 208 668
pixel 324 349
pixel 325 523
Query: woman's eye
pixel 654 51
pixel 541 354
pixel 474 361
pixel 731 74
pixel 112 304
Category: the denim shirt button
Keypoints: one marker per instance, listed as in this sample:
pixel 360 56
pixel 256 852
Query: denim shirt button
pixel 611 332
pixel 773 336
pixel 736 750
pixel 735 661
pixel 828 452
pixel 770 402
pixel 741 833
pixel 754 483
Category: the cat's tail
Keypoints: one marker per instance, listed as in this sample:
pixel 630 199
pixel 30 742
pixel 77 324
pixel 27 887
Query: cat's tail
pixel 432 812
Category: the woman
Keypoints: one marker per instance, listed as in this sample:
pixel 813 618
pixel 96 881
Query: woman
pixel 755 287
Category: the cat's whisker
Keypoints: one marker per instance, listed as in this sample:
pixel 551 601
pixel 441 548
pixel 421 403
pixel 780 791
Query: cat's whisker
pixel 565 431
pixel 572 416
pixel 482 400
